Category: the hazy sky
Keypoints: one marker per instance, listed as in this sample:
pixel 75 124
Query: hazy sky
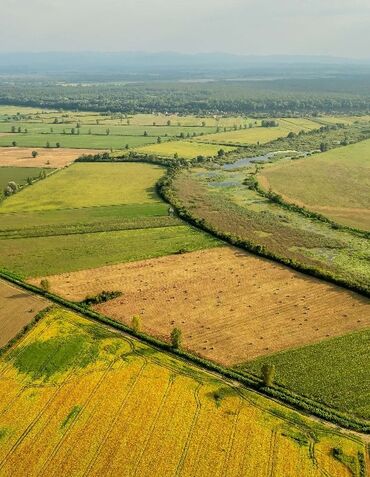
pixel 325 27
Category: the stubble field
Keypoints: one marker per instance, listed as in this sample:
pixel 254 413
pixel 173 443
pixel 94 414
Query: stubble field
pixel 17 308
pixel 54 158
pixel 230 306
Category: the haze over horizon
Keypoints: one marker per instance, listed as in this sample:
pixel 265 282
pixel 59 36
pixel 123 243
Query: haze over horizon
pixel 338 28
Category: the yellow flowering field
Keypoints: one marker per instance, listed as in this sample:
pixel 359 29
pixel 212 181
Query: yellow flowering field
pixel 79 399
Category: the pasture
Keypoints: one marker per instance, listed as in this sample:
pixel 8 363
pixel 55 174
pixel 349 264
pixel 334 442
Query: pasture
pixel 81 400
pixel 184 149
pixel 335 183
pixel 334 371
pixel 46 158
pixel 17 309
pixel 230 305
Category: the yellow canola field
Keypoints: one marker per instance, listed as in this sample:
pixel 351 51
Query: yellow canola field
pixel 78 399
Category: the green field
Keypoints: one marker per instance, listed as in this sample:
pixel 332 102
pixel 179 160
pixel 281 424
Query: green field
pixel 90 215
pixel 186 150
pixel 259 134
pixel 334 371
pixel 335 183
pixel 46 255
pixel 75 141
pixel 47 129
pixel 88 185
pixel 19 175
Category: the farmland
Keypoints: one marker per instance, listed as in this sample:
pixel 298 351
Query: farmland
pixel 89 215
pixel 54 158
pixel 224 202
pixel 162 414
pixel 17 309
pixel 268 307
pixel 325 372
pixel 335 184
pixel 187 150
pixel 89 185
pixel 19 175
pixel 258 134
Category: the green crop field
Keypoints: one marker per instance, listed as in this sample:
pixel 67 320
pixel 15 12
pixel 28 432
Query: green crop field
pixel 87 185
pixel 335 183
pixel 89 215
pixel 259 134
pixel 46 255
pixel 75 141
pixel 19 175
pixel 334 371
pixel 184 149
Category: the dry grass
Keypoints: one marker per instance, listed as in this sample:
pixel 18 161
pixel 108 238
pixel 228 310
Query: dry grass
pixel 231 306
pixel 55 158
pixel 17 308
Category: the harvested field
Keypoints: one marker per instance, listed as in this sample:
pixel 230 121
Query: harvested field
pixel 17 308
pixel 77 399
pixel 231 306
pixel 54 158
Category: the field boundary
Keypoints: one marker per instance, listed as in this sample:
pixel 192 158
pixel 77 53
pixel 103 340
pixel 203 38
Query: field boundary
pixel 277 392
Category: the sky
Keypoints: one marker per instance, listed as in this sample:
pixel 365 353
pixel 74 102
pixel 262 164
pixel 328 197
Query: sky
pixel 260 27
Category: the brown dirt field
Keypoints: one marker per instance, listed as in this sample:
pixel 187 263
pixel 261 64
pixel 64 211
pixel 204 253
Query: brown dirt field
pixel 17 308
pixel 230 305
pixel 21 156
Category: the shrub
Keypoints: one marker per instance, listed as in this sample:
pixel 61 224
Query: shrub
pixel 176 338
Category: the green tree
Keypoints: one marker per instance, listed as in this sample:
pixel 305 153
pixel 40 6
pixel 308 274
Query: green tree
pixel 57 144
pixel 145 133
pixel 176 338
pixel 159 139
pixel 45 285
pixel 14 144
pixel 268 374
pixel 34 154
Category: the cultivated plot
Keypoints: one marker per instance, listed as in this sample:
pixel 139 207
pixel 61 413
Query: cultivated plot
pixel 230 305
pixel 17 308
pixel 259 134
pixel 334 371
pixel 81 400
pixel 54 158
pixel 187 150
pixel 87 185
